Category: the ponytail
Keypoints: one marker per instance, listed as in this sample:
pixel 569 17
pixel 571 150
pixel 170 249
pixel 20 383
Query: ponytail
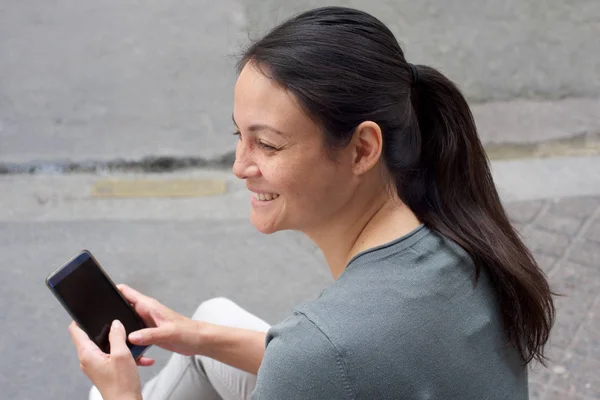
pixel 454 194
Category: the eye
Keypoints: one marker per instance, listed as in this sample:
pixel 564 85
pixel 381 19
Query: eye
pixel 266 146
pixel 261 144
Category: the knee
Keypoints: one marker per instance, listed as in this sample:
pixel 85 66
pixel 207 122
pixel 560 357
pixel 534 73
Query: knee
pixel 208 309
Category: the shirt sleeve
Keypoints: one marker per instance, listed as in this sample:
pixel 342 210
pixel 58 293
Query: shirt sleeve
pixel 301 363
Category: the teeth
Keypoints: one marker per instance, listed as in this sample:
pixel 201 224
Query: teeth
pixel 265 196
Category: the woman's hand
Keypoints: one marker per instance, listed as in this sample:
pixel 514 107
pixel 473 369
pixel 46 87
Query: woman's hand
pixel 167 329
pixel 114 374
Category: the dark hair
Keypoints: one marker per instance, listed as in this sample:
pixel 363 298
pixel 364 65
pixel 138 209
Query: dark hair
pixel 345 66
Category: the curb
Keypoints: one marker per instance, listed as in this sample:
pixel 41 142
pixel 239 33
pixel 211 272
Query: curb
pixel 148 164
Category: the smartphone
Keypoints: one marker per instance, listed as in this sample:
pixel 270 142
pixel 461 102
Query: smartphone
pixel 94 301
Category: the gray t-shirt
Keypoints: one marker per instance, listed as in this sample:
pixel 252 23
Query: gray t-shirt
pixel 403 321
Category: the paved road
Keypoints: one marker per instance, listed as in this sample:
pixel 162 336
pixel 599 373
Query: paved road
pixel 92 80
pixel 495 50
pixel 187 250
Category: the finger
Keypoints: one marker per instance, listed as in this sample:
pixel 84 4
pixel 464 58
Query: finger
pixel 121 287
pixel 141 304
pixel 86 349
pixel 117 338
pixel 132 295
pixel 79 337
pixel 145 362
pixel 148 336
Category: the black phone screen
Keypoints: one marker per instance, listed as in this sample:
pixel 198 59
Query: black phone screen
pixel 95 303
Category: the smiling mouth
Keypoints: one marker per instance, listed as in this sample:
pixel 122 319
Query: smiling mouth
pixel 265 196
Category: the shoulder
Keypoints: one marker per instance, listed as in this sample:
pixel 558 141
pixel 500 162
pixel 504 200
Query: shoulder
pixel 301 362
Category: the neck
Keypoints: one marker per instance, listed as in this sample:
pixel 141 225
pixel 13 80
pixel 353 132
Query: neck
pixel 362 225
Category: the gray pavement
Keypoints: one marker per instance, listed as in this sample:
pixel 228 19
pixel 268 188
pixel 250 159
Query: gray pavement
pixel 494 50
pixel 115 79
pixel 184 251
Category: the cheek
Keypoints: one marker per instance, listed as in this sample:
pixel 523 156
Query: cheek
pixel 307 179
pixel 315 184
pixel 283 176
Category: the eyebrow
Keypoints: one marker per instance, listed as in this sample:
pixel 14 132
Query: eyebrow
pixel 260 127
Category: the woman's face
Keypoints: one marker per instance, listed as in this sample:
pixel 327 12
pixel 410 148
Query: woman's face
pixel 281 155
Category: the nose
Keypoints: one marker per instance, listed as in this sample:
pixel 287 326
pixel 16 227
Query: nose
pixel 244 166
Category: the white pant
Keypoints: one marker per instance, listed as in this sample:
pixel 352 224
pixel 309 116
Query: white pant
pixel 202 378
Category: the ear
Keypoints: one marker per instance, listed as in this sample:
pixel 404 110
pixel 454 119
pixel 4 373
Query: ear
pixel 366 146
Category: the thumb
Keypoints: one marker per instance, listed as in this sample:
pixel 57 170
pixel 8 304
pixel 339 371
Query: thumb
pixel 117 337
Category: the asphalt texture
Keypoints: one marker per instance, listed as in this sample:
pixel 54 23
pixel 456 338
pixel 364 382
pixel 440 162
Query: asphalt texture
pixel 94 81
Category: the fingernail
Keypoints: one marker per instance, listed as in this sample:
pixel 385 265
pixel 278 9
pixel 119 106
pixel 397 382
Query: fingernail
pixel 116 324
pixel 135 336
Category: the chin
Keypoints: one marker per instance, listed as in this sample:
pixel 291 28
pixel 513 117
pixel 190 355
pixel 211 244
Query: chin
pixel 265 227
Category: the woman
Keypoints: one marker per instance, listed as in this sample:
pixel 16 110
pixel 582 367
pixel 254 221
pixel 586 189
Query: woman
pixel 379 163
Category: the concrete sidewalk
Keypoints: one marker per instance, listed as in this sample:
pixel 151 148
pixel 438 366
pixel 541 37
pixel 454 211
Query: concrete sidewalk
pixel 183 251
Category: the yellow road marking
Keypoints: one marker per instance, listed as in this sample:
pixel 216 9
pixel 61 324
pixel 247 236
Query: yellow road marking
pixel 577 146
pixel 158 188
